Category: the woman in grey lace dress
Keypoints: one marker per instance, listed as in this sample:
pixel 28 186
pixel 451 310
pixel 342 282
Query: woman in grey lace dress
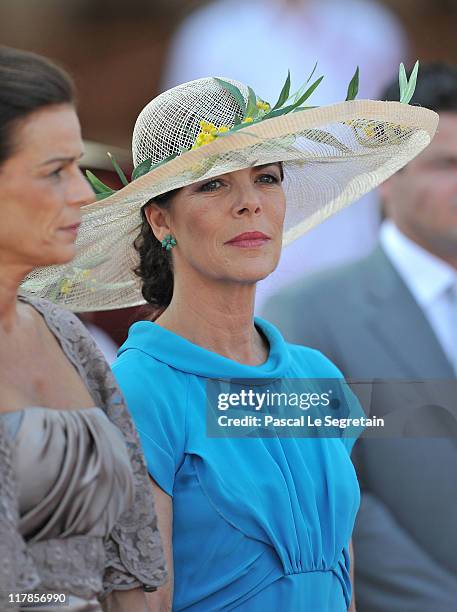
pixel 76 512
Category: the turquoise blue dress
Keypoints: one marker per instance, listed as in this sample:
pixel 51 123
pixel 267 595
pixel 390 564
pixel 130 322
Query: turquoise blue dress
pixel 259 523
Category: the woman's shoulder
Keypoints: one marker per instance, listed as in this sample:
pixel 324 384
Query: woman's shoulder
pixel 144 351
pixel 61 322
pixel 140 373
pixel 131 358
pixel 79 348
pixel 155 392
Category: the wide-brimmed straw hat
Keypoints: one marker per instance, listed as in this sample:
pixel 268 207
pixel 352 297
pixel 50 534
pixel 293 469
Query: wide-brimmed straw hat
pixel 331 156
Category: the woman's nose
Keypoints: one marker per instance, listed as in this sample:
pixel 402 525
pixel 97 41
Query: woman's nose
pixel 249 201
pixel 80 192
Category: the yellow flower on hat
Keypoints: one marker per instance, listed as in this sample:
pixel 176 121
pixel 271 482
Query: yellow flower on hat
pixel 206 126
pixel 263 106
pixel 369 130
pixel 66 286
pixel 208 133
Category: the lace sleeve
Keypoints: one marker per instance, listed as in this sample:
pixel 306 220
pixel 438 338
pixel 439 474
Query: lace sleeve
pixel 17 570
pixel 134 555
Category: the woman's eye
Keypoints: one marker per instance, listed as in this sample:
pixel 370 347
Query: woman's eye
pixel 56 173
pixel 268 178
pixel 211 185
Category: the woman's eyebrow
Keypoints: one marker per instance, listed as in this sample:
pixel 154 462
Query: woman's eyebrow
pixel 266 165
pixel 61 160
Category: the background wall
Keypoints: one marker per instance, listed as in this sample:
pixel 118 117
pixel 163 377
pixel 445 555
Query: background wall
pixel 116 48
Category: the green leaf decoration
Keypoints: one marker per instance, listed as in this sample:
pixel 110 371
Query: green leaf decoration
pixel 284 95
pixel 164 161
pixel 407 87
pixel 237 119
pixel 251 109
pixel 241 126
pixel 103 195
pixel 288 109
pixel 278 112
pixel 142 169
pixel 303 108
pixel 311 75
pixel 307 93
pixel 97 184
pixel 118 169
pixel 301 89
pixel 147 166
pixel 353 87
pixel 402 80
pixel 236 93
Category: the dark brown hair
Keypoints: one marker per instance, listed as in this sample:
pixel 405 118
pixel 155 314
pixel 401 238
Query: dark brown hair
pixel 155 268
pixel 28 82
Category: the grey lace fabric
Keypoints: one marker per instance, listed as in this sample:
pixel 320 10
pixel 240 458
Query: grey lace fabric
pixel 86 563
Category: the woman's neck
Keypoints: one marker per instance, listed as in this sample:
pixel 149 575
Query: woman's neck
pixel 218 316
pixel 9 286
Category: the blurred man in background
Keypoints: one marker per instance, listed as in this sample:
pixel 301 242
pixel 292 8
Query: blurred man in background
pixel 256 42
pixel 393 315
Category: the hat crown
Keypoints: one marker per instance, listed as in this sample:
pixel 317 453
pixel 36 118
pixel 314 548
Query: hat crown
pixel 171 121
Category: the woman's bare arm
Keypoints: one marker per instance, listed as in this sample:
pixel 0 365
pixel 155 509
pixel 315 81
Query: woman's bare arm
pixel 126 601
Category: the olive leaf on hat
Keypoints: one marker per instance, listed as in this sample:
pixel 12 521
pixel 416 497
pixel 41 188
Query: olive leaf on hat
pixel 407 87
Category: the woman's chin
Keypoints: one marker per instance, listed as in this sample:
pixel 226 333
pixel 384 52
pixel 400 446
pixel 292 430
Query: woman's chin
pixel 57 257
pixel 255 274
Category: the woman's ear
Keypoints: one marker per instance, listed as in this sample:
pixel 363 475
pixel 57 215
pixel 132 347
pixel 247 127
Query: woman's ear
pixel 158 219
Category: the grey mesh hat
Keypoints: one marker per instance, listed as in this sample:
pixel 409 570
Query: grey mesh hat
pixel 331 156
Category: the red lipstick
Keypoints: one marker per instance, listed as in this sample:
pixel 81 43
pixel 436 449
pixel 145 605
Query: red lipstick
pixel 249 240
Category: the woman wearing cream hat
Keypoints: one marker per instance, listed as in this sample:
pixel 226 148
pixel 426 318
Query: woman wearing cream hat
pixel 260 521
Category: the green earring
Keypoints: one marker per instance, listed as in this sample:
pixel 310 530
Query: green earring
pixel 168 242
